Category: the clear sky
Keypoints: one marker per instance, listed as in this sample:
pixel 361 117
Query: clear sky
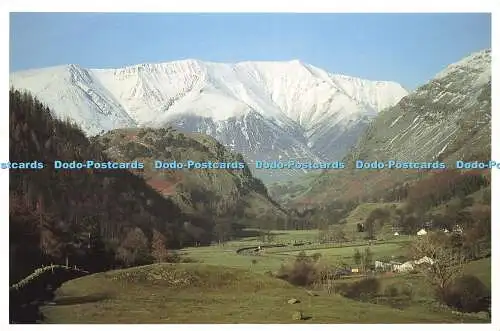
pixel 407 48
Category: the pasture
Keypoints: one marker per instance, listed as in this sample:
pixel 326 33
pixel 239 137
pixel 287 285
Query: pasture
pixel 222 286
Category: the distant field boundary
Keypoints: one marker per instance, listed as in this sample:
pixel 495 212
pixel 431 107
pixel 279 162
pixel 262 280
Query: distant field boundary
pixel 297 248
pixel 240 250
pixel 331 246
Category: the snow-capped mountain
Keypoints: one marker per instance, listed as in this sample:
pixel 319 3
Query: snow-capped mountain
pixel 266 110
pixel 446 119
pixel 449 118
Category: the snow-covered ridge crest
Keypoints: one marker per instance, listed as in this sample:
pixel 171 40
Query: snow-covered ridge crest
pixel 475 62
pixel 262 109
pixel 153 92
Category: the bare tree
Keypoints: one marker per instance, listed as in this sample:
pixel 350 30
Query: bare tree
pixel 159 247
pixel 367 259
pixel 326 276
pixel 337 234
pixel 447 262
pixel 135 248
pixel 222 230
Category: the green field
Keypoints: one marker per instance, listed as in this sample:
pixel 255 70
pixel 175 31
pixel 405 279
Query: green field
pixel 225 287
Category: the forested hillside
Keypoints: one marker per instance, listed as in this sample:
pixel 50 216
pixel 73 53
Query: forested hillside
pixel 95 219
pixel 229 196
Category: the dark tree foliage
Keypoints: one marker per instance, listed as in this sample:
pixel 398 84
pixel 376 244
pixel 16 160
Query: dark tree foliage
pixel 468 294
pixel 84 216
pixel 362 289
pixel 375 220
pixel 441 187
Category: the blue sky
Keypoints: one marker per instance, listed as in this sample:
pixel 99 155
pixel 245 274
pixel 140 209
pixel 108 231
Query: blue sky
pixel 407 48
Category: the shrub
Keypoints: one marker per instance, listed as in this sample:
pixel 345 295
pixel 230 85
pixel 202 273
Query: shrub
pixel 407 291
pixel 189 260
pixel 301 273
pixel 391 291
pixel 316 256
pixel 302 256
pixel 365 288
pixel 467 294
pixel 173 257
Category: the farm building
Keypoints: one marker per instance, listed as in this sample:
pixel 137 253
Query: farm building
pixel 422 232
pixel 383 266
pixel 425 259
pixel 404 267
pixel 395 266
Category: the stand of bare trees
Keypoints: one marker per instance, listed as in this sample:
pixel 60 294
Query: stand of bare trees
pixel 448 262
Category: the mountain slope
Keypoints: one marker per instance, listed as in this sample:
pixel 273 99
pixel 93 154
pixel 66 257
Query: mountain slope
pixel 265 110
pixel 76 94
pixel 83 215
pixel 216 193
pixel 103 218
pixel 447 119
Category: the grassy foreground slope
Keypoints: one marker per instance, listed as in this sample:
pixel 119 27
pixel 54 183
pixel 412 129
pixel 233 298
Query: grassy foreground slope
pixel 197 293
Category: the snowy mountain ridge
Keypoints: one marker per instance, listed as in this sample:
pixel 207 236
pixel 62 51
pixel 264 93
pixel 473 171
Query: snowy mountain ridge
pixel 262 109
pixel 446 119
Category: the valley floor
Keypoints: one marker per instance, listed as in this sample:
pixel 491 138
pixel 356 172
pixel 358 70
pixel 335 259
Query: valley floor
pixel 226 287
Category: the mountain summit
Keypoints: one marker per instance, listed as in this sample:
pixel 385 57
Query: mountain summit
pixel 262 109
pixel 448 118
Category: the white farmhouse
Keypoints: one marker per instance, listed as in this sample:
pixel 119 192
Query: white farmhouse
pixel 383 266
pixel 405 267
pixel 425 259
pixel 422 232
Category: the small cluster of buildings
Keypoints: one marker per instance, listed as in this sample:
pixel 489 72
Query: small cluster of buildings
pixel 408 266
pixel 423 232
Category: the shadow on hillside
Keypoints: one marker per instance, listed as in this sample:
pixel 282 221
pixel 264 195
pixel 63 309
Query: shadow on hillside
pixel 75 300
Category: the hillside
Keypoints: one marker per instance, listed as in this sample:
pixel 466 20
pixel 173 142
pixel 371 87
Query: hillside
pixel 199 293
pixel 227 194
pixel 362 212
pixel 93 218
pixel 264 110
pixel 447 119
